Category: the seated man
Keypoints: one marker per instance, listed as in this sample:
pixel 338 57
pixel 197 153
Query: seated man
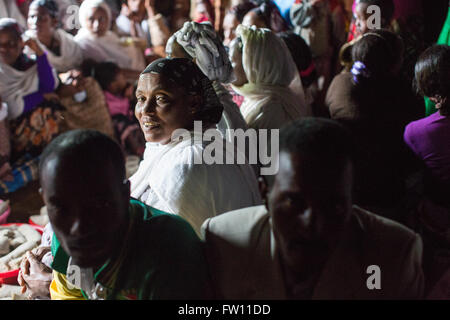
pixel 106 246
pixel 311 242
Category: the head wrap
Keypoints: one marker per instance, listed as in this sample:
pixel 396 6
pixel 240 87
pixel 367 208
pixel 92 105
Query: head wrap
pixel 87 5
pixel 185 74
pixel 50 5
pixel 202 43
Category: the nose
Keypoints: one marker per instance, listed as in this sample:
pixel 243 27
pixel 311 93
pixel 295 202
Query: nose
pixel 149 107
pixel 79 227
pixel 307 218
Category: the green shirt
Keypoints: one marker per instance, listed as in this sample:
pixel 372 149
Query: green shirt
pixel 161 258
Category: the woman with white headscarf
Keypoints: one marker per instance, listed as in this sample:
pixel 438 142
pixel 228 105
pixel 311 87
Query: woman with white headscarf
pixel 175 175
pixel 63 52
pixel 268 79
pixel 99 43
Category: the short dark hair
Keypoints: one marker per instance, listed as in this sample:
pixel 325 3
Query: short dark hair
pixel 387 8
pixel 432 73
pixel 88 148
pixel 379 50
pixel 321 138
pixel 302 56
pixel 103 72
pixel 240 10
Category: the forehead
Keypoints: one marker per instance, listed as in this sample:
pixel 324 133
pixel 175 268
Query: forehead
pixel 61 177
pixel 297 173
pixel 361 9
pixel 97 12
pixel 7 35
pixel 148 82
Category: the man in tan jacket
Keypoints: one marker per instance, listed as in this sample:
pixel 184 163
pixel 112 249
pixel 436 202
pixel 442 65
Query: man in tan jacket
pixel 311 242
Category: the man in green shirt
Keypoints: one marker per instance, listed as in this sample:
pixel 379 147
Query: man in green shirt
pixel 106 246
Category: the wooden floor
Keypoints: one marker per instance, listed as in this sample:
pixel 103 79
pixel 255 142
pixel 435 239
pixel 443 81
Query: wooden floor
pixel 24 203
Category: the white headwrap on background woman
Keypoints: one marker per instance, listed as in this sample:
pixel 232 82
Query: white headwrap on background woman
pixel 201 42
pixel 272 79
pixel 108 46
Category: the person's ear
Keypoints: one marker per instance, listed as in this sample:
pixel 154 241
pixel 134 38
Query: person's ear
pixel 195 105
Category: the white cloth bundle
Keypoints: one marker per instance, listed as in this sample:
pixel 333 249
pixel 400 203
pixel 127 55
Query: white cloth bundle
pixel 201 42
pixel 274 92
pixel 71 53
pixel 168 180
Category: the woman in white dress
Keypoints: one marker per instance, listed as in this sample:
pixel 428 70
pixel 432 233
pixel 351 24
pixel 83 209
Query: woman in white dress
pixel 174 175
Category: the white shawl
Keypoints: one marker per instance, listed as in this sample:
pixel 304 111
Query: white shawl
pixel 71 53
pixel 15 85
pixel 107 47
pixel 274 92
pixel 168 180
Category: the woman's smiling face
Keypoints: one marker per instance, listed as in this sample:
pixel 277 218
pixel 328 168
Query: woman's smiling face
pixel 162 107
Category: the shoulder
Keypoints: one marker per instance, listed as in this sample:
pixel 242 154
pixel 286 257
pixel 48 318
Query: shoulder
pixel 338 97
pixel 396 250
pixel 164 224
pixel 389 240
pixel 417 129
pixel 237 225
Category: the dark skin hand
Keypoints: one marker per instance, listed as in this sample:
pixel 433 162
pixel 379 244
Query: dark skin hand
pixel 34 276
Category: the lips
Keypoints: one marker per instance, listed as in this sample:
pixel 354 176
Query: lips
pixel 150 124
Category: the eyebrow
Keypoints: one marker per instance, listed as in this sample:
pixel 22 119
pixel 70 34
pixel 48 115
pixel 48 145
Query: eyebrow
pixel 155 91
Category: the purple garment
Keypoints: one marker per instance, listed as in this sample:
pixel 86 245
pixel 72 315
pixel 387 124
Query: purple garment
pixel 429 139
pixel 46 84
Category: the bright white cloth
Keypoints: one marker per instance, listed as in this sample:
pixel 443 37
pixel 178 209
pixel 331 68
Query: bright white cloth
pixel 274 93
pixel 168 180
pixel 15 85
pixel 201 42
pixel 9 9
pixel 107 47
pixel 71 53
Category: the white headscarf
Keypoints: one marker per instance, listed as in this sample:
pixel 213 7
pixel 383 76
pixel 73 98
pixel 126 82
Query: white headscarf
pixel 107 47
pixel 71 53
pixel 272 75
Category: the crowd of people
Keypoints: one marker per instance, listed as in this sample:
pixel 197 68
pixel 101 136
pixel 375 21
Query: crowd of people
pixel 357 102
